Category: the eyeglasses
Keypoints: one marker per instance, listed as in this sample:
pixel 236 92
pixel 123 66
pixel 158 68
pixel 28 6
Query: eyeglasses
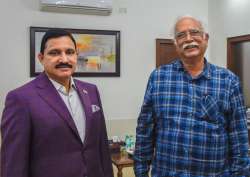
pixel 191 32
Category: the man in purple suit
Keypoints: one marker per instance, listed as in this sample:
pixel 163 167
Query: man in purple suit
pixel 54 125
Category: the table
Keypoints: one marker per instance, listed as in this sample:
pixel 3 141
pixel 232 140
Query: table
pixel 121 160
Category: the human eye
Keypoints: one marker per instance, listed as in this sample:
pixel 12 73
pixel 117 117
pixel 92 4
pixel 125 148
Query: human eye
pixel 180 35
pixel 70 52
pixel 54 52
pixel 195 32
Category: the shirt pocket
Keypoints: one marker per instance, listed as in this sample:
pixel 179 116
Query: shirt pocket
pixel 210 111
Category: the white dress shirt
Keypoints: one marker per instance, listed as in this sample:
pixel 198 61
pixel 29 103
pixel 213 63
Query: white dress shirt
pixel 74 105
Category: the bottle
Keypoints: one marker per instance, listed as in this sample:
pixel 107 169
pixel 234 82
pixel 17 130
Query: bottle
pixel 132 142
pixel 127 142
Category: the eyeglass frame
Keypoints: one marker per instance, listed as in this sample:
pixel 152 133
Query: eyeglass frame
pixel 192 32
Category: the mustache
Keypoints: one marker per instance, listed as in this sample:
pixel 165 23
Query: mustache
pixel 189 45
pixel 63 65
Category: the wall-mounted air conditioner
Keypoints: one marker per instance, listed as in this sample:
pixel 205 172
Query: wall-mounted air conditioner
pixel 102 7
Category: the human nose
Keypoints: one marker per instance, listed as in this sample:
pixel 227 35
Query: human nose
pixel 63 57
pixel 188 36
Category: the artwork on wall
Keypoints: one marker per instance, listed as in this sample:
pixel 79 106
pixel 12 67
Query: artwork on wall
pixel 99 52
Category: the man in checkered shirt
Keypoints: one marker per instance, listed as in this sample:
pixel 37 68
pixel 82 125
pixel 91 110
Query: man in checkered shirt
pixel 193 119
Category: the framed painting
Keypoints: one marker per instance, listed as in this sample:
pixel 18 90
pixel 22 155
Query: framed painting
pixel 98 52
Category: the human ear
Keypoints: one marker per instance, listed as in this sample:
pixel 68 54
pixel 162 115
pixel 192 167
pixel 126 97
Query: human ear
pixel 205 36
pixel 40 57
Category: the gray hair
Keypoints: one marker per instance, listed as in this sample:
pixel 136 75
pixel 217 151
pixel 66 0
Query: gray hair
pixel 187 16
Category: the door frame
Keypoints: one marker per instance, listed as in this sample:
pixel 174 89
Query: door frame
pixel 231 42
pixel 159 42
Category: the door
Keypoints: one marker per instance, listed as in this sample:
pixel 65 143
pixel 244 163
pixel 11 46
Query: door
pixel 165 51
pixel 238 48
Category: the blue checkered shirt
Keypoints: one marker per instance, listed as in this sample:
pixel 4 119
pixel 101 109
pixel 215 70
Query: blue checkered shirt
pixel 192 127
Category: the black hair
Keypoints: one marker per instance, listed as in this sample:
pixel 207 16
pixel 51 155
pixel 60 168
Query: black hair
pixel 55 33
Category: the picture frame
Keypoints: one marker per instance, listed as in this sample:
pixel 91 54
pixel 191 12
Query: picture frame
pixel 98 52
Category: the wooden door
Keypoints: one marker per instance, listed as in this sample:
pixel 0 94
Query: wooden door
pixel 165 51
pixel 236 54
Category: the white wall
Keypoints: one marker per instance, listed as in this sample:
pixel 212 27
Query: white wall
pixel 144 21
pixel 227 18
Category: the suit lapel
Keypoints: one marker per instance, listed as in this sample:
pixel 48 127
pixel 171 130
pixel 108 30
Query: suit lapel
pixel 48 92
pixel 85 99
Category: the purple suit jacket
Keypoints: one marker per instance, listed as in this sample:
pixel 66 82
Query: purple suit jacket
pixel 40 139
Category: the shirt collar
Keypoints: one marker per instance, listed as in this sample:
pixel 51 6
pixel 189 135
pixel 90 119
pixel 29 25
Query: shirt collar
pixel 59 87
pixel 206 70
